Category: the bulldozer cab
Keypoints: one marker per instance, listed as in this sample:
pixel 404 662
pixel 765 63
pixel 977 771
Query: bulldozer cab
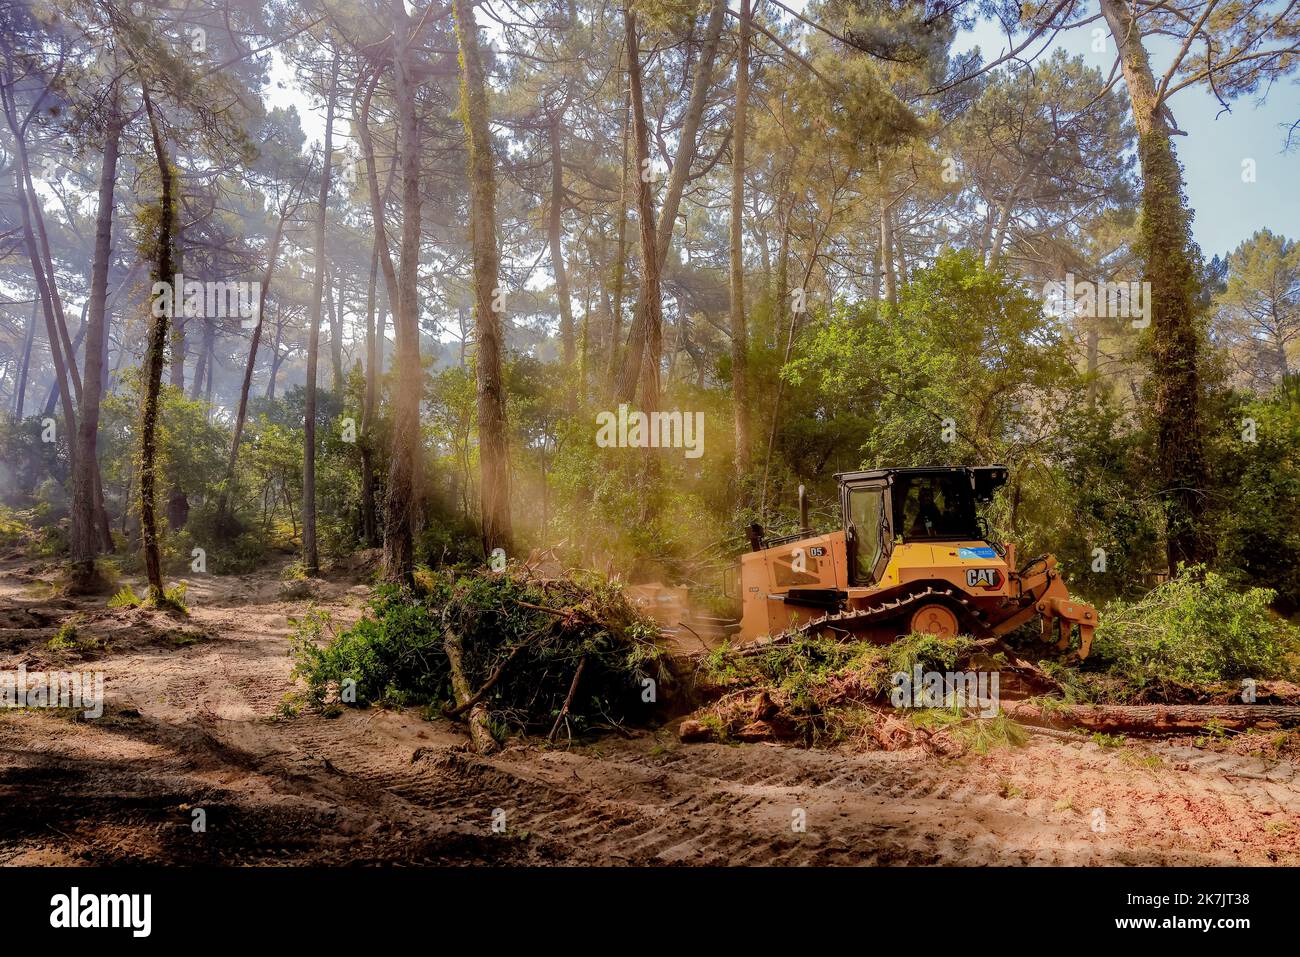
pixel 882 507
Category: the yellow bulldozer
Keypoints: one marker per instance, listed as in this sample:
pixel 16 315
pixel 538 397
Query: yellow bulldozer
pixel 912 555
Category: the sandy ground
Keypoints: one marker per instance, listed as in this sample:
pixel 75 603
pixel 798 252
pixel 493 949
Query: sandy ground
pixel 192 722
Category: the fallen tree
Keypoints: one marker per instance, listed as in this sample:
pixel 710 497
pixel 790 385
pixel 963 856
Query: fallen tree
pixel 1153 719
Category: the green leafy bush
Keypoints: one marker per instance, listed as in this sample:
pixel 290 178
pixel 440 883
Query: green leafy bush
pixel 392 655
pixel 67 638
pixel 1197 629
pixel 126 598
pixel 51 541
pixel 13 530
pixel 531 633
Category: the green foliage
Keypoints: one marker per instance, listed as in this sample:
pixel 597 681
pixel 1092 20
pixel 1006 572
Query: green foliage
pixel 171 599
pixel 966 343
pixel 393 655
pixel 1094 496
pixel 126 598
pixel 535 631
pixel 67 637
pixel 805 666
pixel 1196 629
pixel 1256 521
pixel 31 470
pixel 13 529
pixel 982 735
pixel 811 672
pixel 51 541
pixel 1103 740
pixel 614 506
pixel 931 652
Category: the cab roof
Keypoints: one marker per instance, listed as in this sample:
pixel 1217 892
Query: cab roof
pixel 994 472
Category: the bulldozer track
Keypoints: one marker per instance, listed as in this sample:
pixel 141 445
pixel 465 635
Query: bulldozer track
pixel 851 618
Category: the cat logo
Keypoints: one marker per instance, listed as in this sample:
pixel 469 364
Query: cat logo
pixel 983 578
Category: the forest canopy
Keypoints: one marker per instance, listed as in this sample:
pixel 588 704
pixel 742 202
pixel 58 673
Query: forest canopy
pixel 315 277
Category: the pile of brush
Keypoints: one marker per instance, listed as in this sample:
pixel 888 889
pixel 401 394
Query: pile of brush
pixel 500 650
pixel 821 690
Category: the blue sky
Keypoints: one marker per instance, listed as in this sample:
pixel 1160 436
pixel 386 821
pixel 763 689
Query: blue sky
pixel 1227 209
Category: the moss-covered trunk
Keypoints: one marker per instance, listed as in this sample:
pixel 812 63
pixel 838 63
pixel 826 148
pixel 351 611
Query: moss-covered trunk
pixel 155 347
pixel 1175 337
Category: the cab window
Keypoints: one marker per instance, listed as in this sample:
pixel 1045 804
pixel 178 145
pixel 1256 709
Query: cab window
pixel 866 512
pixel 935 506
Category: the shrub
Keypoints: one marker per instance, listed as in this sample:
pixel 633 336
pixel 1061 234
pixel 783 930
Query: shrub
pixel 51 542
pixel 1197 629
pixel 126 598
pixel 13 530
pixel 66 638
pixel 172 599
pixel 392 655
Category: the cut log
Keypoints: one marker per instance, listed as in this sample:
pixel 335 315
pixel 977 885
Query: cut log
pixel 1155 718
pixel 480 733
pixel 691 731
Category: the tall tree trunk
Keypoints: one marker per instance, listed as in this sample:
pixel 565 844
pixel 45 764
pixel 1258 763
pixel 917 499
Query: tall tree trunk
pixel 814 245
pixel 399 511
pixel 620 264
pixel 886 236
pixel 241 414
pixel 53 319
pixel 59 392
pixel 739 334
pixel 20 388
pixel 335 310
pixel 176 357
pixel 276 358
pixel 178 503
pixel 1093 351
pixel 52 399
pixel 369 527
pixel 645 341
pixel 494 465
pixel 201 363
pixel 310 552
pixel 361 118
pixel 206 368
pixel 155 349
pixel 782 293
pixel 45 259
pixel 700 88
pixel 1175 341
pixel 896 238
pixel 381 256
pixel 86 538
pixel 554 235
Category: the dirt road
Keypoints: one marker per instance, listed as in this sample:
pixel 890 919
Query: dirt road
pixel 192 724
